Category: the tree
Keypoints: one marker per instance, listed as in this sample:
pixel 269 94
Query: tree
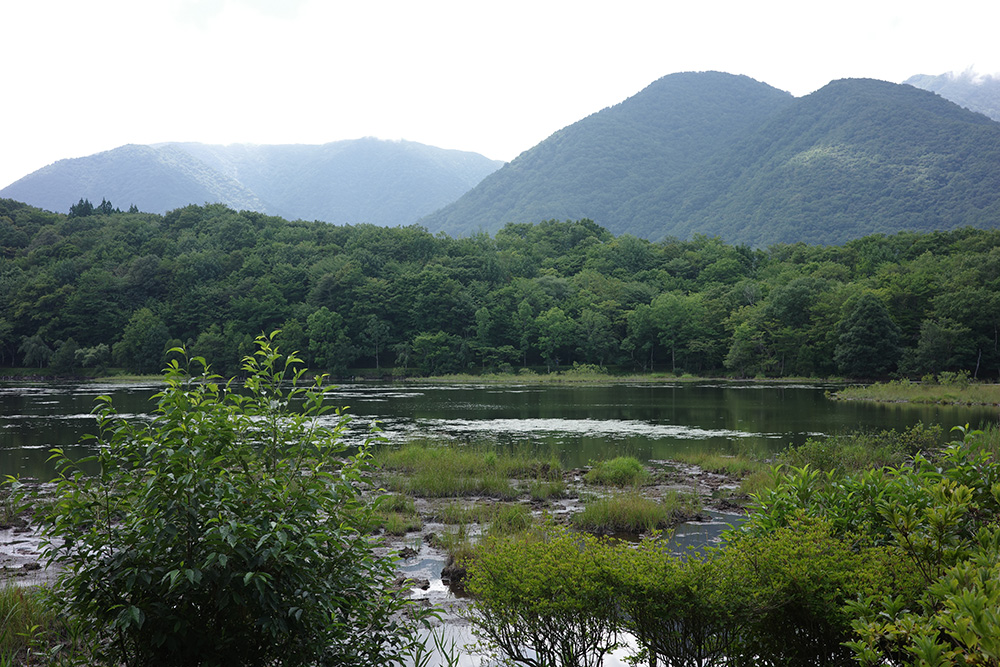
pixel 438 353
pixel 35 351
pixel 64 358
pixel 229 531
pixel 943 345
pixel 597 339
pixel 677 320
pixel 868 340
pixel 81 209
pixel 556 332
pixel 376 334
pixel 143 342
pixel 329 344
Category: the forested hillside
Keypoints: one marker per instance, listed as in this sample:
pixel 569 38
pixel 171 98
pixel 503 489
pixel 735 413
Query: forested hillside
pixel 106 289
pixel 343 182
pixel 598 166
pixel 854 158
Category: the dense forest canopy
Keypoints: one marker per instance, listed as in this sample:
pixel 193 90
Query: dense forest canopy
pixel 106 288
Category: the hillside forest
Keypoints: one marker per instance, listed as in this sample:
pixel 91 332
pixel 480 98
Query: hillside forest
pixel 98 288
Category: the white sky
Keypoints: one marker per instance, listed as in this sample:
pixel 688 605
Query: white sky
pixel 496 78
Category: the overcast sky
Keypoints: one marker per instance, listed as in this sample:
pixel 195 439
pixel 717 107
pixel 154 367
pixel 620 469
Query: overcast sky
pixel 496 78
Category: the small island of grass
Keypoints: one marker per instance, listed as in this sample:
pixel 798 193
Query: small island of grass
pixel 944 389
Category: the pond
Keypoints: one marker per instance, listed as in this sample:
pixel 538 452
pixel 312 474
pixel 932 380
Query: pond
pixel 581 423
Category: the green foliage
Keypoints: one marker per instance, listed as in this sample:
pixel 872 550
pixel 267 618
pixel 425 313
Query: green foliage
pixel 27 625
pixel 862 450
pixel 227 531
pixel 544 600
pixel 867 339
pixel 619 471
pixel 536 293
pixel 143 343
pixel 35 351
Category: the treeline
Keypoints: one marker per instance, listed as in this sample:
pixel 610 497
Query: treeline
pixel 117 289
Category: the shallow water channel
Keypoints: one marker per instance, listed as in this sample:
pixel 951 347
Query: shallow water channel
pixel 579 423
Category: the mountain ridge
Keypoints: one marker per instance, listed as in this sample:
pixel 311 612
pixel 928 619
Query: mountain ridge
pixel 856 157
pixel 343 182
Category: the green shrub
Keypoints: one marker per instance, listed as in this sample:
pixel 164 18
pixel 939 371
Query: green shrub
pixel 228 531
pixel 863 450
pixel 543 599
pixel 674 606
pixel 959 379
pixel 620 471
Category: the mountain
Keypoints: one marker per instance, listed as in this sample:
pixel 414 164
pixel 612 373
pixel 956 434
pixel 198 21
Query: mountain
pixel 856 157
pixel 978 92
pixel 344 182
pixel 595 167
pixel 717 154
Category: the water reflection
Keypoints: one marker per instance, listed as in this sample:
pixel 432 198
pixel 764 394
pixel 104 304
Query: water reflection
pixel 578 423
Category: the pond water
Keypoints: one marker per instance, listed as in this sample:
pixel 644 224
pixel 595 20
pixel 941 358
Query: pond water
pixel 579 423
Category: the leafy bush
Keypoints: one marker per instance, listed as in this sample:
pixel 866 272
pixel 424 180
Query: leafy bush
pixel 544 599
pixel 960 379
pixel 228 531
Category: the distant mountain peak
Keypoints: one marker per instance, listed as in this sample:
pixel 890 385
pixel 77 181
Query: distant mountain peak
pixel 352 181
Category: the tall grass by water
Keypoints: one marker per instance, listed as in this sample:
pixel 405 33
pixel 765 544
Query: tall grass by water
pixel 950 389
pixel 26 624
pixel 433 470
pixel 632 512
pixel 619 471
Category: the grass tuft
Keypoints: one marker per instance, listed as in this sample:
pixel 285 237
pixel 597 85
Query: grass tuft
pixel 620 471
pixel 432 470
pixel 632 512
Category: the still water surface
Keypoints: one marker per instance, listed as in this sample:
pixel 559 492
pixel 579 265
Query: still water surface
pixel 579 423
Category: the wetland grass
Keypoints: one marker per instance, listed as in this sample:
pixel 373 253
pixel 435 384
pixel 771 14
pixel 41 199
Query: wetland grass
pixel 398 514
pixel 619 471
pixel 433 470
pixel 632 512
pixel 952 389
